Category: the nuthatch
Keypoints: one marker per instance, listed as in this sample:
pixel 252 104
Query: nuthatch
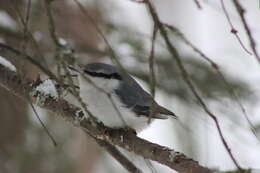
pixel 116 99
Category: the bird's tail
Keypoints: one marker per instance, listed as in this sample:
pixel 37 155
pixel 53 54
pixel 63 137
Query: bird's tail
pixel 163 111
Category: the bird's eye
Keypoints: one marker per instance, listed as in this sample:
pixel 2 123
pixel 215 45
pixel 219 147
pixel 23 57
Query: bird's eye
pixel 104 75
pixel 117 76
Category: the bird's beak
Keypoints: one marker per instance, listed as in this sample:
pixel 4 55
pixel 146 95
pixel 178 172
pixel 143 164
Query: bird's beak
pixel 165 111
pixel 73 71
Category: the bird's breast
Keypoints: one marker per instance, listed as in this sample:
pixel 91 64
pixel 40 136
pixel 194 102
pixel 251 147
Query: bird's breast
pixel 110 110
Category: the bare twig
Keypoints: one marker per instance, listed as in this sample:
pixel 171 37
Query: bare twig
pixel 5 49
pixel 241 11
pixel 99 31
pixel 152 73
pixel 61 61
pixel 233 30
pixel 215 66
pixel 113 54
pixel 197 4
pixel 150 165
pixel 42 124
pixel 118 156
pixel 195 49
pixel 26 37
pixel 186 77
pixel 26 30
pixel 60 56
pixel 28 12
pixel 51 25
pixel 26 25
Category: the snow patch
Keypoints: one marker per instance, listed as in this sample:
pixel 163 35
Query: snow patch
pixel 47 87
pixel 7 21
pixel 7 64
pixel 63 42
pixel 172 155
pixel 80 115
pixel 38 36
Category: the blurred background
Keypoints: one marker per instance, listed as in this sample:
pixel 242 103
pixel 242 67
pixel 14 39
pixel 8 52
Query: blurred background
pixel 127 25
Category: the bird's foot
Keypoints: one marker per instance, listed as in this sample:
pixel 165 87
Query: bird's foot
pixel 124 131
pixel 129 129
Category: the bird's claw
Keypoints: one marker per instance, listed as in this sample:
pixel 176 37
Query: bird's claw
pixel 127 130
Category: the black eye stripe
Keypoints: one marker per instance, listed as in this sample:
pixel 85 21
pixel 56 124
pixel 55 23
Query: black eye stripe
pixel 103 75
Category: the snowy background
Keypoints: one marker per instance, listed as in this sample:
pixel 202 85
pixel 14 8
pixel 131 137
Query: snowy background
pixel 128 27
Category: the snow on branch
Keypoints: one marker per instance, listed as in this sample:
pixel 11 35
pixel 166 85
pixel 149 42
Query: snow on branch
pixel 47 87
pixel 6 63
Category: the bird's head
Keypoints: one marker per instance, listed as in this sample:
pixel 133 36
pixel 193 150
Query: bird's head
pixel 99 75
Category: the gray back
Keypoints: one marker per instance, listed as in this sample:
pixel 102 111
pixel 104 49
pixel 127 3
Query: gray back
pixel 101 68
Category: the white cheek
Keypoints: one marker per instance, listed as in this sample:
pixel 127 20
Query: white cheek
pixel 97 82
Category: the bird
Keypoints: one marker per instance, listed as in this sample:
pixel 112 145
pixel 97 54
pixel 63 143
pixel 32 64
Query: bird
pixel 116 99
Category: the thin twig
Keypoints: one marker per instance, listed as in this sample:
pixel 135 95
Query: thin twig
pixel 118 156
pixel 241 11
pixel 59 57
pixel 42 124
pixel 214 65
pixel 28 32
pixel 61 61
pixel 187 79
pixel 152 73
pixel 27 17
pixel 52 28
pixel 233 30
pixel 195 49
pixel 26 25
pixel 150 165
pixel 26 36
pixel 28 12
pixel 113 54
pixel 197 4
pixel 18 53
pixel 25 39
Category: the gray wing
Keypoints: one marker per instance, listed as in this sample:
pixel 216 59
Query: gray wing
pixel 102 70
pixel 135 98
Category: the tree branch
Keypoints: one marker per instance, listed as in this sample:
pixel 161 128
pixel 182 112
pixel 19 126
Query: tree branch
pixel 127 140
pixel 241 11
